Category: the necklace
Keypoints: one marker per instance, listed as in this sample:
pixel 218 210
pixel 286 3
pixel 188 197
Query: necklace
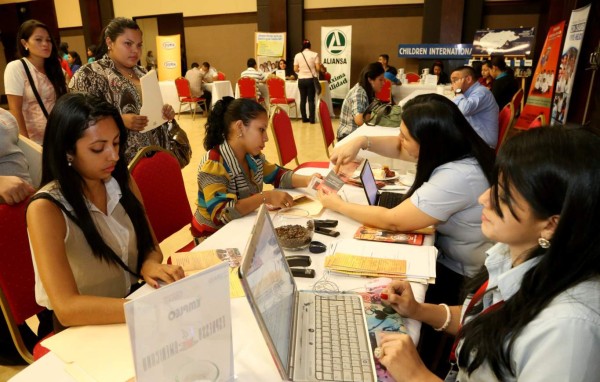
pixel 129 74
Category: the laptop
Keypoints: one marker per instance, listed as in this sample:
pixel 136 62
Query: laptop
pixel 304 343
pixel 374 196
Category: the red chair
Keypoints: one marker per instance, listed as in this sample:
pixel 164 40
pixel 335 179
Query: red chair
pixel 277 95
pixel 281 126
pixel 326 126
pixel 516 101
pixel 505 121
pixel 221 76
pixel 185 96
pixel 412 77
pixel 17 278
pixel 539 121
pixel 160 182
pixel 247 87
pixel 385 94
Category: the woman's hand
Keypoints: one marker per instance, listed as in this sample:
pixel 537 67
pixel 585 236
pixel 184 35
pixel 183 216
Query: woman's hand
pixel 153 271
pixel 329 200
pixel 135 122
pixel 344 154
pixel 399 355
pixel 168 112
pixel 279 199
pixel 400 296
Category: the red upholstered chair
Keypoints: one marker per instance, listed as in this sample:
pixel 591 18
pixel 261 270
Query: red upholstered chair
pixel 412 77
pixel 221 76
pixel 516 101
pixel 385 94
pixel 247 87
pixel 326 126
pixel 277 95
pixel 281 126
pixel 17 279
pixel 539 121
pixel 185 96
pixel 158 176
pixel 505 121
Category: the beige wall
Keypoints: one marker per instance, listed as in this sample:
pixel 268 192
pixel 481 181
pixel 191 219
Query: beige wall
pixel 318 4
pixel 76 42
pixel 149 28
pixel 131 8
pixel 68 13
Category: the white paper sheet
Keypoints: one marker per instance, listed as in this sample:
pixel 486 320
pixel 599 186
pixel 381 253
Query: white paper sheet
pixel 152 101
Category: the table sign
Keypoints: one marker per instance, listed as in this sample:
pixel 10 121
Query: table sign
pixel 182 331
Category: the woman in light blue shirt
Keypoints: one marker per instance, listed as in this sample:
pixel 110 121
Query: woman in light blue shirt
pixel 535 311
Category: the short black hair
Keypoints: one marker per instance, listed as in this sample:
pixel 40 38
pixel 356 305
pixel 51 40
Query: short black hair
pixel 386 56
pixel 251 62
pixel 195 65
pixel 468 70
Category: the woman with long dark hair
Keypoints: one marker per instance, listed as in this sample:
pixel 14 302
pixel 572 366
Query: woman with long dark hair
pixel 534 311
pixel 232 172
pixel 370 82
pixel 89 233
pixel 307 64
pixel 39 54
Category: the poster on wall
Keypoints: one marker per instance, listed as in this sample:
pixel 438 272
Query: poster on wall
pixel 510 42
pixel 568 64
pixel 336 53
pixel 539 100
pixel 168 57
pixel 270 48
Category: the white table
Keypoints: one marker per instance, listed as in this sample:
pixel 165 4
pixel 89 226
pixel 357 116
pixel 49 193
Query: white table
pixel 404 90
pixel 169 95
pixel 219 89
pixel 252 360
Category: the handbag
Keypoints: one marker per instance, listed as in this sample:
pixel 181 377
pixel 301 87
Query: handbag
pixel 383 114
pixel 316 82
pixel 179 144
pixel 33 88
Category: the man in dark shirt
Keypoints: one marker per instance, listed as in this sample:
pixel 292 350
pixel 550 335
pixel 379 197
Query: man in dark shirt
pixel 504 86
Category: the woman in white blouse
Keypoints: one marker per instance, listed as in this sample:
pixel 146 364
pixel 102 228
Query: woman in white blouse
pixel 307 64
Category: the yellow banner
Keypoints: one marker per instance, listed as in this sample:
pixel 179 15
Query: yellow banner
pixel 168 57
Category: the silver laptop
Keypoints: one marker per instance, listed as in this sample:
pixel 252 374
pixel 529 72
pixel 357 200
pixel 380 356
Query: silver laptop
pixel 312 336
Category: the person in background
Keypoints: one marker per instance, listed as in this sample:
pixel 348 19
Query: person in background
pixel 15 181
pixel 91 53
pixel 232 172
pixel 476 103
pixel 115 78
pixel 533 312
pixel 384 60
pixel 289 71
pixel 258 76
pixel 63 50
pixel 194 77
pixel 324 75
pixel 486 78
pixel 307 64
pixel 437 68
pixel 90 237
pixel 150 61
pixel 210 72
pixel 370 81
pixel 74 61
pixel 37 47
pixel 504 86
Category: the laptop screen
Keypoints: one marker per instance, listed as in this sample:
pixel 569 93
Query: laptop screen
pixel 271 285
pixel 368 180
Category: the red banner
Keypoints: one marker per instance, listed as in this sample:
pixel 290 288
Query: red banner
pixel 541 92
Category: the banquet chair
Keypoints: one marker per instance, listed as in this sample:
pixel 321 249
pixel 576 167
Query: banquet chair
pixel 158 176
pixel 326 126
pixel 281 127
pixel 505 121
pixel 516 101
pixel 277 95
pixel 185 96
pixel 385 94
pixel 539 121
pixel 412 77
pixel 17 278
pixel 221 76
pixel 247 87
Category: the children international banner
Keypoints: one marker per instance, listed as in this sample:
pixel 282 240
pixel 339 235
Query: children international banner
pixel 336 53
pixel 168 57
pixel 568 64
pixel 539 100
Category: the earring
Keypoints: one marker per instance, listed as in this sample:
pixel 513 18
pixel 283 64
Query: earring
pixel 240 135
pixel 26 48
pixel 544 243
pixel 69 161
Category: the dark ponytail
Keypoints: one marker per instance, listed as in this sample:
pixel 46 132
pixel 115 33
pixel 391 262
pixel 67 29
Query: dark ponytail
pixel 224 113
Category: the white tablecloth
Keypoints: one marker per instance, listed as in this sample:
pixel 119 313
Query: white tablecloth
pixel 219 89
pixel 402 91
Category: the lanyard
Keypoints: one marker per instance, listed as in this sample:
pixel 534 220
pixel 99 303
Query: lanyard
pixel 476 298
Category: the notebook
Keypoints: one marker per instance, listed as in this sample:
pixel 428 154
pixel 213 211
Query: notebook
pixel 296 333
pixel 374 197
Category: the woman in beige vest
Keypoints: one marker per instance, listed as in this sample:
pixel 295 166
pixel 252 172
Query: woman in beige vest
pixel 90 238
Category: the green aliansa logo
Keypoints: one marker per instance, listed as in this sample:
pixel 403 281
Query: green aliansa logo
pixel 335 41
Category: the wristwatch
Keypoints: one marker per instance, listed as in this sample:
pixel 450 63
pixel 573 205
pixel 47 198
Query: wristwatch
pixel 458 91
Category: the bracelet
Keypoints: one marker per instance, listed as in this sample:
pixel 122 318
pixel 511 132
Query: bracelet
pixel 368 148
pixel 264 197
pixel 448 319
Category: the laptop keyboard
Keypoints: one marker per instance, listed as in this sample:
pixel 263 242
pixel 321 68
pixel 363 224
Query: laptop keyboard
pixel 390 199
pixel 338 323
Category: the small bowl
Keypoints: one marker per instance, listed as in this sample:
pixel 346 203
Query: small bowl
pixel 294 228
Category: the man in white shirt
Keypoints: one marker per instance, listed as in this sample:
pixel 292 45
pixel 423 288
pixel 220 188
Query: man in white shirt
pixel 194 77
pixel 258 76
pixel 209 74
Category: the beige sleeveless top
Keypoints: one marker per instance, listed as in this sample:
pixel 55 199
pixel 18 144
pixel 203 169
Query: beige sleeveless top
pixel 92 275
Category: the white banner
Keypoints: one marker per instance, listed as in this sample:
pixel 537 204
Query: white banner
pixel 568 65
pixel 336 54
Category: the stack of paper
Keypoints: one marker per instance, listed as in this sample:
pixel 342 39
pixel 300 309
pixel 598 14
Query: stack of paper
pixel 419 261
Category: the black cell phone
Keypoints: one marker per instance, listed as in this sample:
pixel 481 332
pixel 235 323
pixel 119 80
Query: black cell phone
pixel 325 223
pixel 303 272
pixel 327 231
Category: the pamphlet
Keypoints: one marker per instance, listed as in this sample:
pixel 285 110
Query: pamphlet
pixel 365 266
pixel 331 183
pixel 152 101
pixel 377 234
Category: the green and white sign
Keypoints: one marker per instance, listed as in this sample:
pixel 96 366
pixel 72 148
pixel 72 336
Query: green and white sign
pixel 336 53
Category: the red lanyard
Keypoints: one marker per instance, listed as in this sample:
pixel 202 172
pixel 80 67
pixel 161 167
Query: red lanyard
pixel 476 298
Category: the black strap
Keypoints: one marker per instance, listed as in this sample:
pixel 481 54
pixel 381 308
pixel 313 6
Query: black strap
pixel 75 220
pixel 311 73
pixel 35 92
